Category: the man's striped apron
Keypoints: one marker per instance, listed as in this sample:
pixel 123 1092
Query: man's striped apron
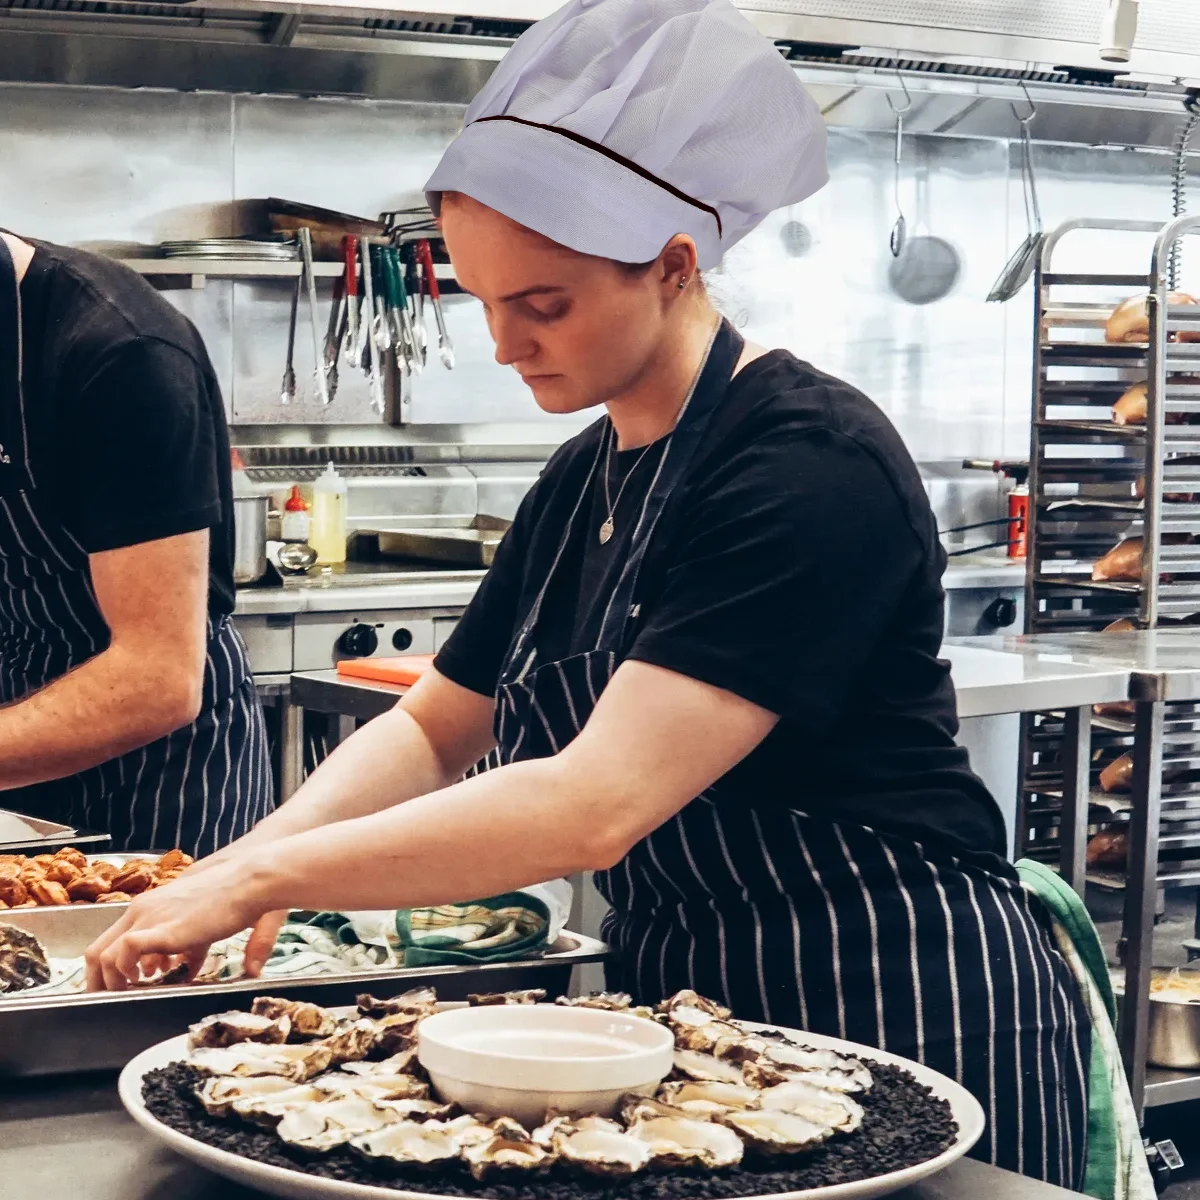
pixel 196 789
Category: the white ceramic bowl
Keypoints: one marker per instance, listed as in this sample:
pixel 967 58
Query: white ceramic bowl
pixel 519 1060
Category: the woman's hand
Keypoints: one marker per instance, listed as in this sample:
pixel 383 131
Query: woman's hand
pixel 179 921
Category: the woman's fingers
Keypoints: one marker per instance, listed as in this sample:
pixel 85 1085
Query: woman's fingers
pixel 94 955
pixel 262 942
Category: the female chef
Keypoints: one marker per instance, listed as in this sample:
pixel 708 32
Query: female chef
pixel 707 650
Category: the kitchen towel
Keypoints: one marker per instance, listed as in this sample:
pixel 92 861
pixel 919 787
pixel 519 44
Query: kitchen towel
pixel 1116 1160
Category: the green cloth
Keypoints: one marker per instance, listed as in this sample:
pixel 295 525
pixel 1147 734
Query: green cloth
pixel 1116 1161
pixel 499 929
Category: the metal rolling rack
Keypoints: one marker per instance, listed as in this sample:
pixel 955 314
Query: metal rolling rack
pixel 1084 472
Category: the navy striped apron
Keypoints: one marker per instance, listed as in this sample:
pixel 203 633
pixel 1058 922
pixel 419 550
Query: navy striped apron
pixel 817 924
pixel 198 788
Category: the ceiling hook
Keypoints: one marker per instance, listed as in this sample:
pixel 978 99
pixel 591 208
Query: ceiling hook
pixel 907 98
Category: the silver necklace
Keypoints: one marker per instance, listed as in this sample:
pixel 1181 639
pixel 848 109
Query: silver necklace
pixel 608 525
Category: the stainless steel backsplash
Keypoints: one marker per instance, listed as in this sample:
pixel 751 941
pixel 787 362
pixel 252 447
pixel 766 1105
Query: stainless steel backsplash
pixel 103 167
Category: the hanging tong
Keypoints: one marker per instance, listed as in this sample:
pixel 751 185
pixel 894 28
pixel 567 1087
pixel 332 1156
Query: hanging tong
pixel 305 236
pixel 349 343
pixel 445 346
pixel 404 336
pixel 1020 266
pixel 370 352
pixel 287 389
pixel 410 260
pixel 900 228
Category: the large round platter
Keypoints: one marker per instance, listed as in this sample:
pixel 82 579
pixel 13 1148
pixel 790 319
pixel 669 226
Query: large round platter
pixel 296 1185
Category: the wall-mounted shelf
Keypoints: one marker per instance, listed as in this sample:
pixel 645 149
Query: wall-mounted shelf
pixel 196 272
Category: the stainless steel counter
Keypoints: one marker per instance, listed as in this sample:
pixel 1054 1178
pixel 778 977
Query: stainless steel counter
pixel 990 678
pixel 426 588
pixel 71 1139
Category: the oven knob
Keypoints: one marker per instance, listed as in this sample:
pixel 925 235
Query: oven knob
pixel 402 639
pixel 359 641
pixel 1001 613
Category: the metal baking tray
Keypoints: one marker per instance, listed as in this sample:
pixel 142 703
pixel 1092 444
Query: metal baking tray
pixel 472 545
pixel 55 925
pixel 102 1031
pixel 46 836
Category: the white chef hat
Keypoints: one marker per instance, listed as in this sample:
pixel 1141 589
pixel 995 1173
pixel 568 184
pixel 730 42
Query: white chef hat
pixel 613 125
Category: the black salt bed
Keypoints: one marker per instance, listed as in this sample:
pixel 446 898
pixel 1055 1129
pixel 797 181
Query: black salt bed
pixel 905 1124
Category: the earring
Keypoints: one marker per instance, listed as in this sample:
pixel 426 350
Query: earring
pixel 682 284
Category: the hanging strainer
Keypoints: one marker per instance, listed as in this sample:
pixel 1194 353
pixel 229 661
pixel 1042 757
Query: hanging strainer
pixel 1020 266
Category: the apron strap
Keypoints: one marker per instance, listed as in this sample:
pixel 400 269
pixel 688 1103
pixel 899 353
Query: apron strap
pixel 725 349
pixel 14 469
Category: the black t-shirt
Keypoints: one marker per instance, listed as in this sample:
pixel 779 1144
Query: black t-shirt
pixel 126 430
pixel 798 565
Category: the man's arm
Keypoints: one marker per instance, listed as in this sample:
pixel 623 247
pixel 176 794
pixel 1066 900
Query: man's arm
pixel 154 597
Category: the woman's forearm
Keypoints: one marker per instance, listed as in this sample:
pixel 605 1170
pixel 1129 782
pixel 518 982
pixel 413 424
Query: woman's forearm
pixel 485 835
pixel 387 761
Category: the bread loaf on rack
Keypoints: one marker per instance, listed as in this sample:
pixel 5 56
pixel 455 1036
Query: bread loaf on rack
pixel 1130 320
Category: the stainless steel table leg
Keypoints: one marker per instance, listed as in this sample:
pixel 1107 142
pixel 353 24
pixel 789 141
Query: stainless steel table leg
pixel 1141 888
pixel 1077 786
pixel 291 748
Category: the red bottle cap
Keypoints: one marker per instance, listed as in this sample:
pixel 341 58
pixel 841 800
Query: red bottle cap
pixel 295 502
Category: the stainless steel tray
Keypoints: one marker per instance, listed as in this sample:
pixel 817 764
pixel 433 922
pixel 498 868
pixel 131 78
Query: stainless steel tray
pixel 471 545
pixel 59 927
pixel 102 1031
pixel 46 836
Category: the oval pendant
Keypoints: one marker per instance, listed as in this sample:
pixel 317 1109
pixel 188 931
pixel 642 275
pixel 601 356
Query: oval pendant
pixel 606 531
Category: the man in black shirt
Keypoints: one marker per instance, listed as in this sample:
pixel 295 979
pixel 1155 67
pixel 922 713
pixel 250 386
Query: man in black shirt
pixel 130 703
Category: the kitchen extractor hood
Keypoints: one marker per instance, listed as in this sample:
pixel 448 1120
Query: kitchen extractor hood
pixel 965 62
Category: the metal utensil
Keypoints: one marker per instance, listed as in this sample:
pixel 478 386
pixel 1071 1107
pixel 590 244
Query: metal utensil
pixel 350 257
pixel 900 228
pixel 405 333
pixel 333 336
pixel 250 538
pixel 306 254
pixel 416 291
pixel 1020 266
pixel 926 270
pixel 288 389
pixel 445 346
pixel 374 373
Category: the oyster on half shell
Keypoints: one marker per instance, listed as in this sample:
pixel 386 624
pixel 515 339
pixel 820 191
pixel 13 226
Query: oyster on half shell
pixel 333 1122
pixel 23 961
pixel 231 1028
pixel 271 1108
pixel 594 1146
pixel 420 1001
pixel 219 1093
pixel 490 999
pixel 687 999
pixel 707 1098
pixel 510 1149
pixel 608 1001
pixel 378 1086
pixel 771 1132
pixel 298 1063
pixel 430 1144
pixel 352 1041
pixel 686 1142
pixel 783 1062
pixel 817 1104
pixel 697 1065
pixel 308 1020
pixel 404 1063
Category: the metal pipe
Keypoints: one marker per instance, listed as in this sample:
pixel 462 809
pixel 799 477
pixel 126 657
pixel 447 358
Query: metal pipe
pixel 1076 755
pixel 1141 886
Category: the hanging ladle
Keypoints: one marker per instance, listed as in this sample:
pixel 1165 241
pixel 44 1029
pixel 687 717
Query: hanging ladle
pixel 1020 266
pixel 900 229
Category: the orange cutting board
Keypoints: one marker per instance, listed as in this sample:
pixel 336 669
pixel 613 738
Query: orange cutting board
pixel 405 669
